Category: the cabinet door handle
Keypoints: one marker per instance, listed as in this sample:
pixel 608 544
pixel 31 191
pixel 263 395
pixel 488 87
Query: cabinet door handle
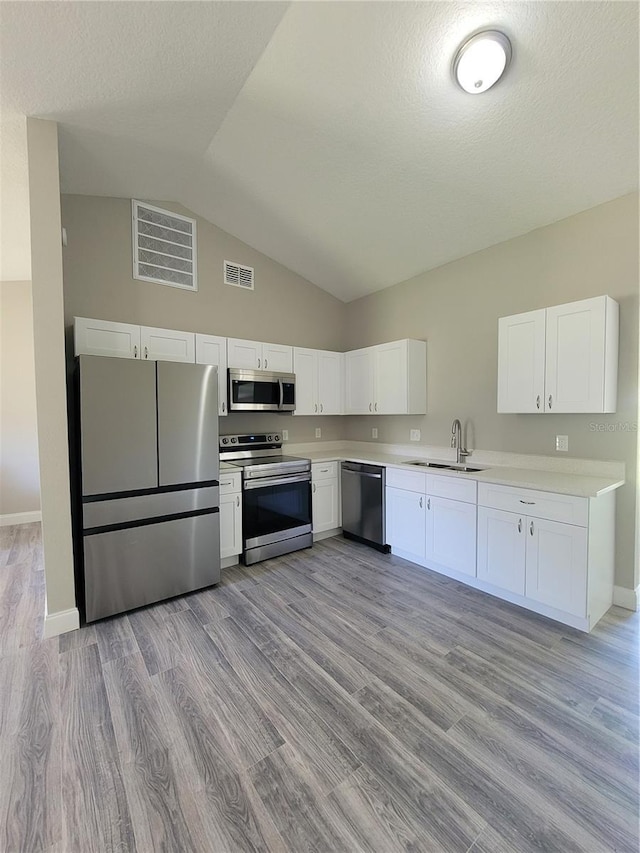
pixel 550 400
pixel 528 503
pixel 265 363
pixel 420 502
pixel 369 406
pixel 314 488
pixel 146 352
pixel 223 406
pixel 226 484
pixel 376 407
pixel 538 401
pixel 237 500
pixel 428 503
pixel 258 362
pixel 324 470
pixel 321 407
pixel 315 408
pixel 519 525
pixel 531 528
pixel 135 352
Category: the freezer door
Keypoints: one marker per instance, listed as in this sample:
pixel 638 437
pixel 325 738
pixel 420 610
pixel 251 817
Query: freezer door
pixel 187 423
pixel 118 425
pixel 138 565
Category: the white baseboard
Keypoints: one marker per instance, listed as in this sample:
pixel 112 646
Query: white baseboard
pixel 327 534
pixel 20 518
pixel 61 622
pixel 627 598
pixel 227 562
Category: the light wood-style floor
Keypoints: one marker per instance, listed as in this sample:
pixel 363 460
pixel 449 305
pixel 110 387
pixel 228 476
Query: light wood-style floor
pixel 331 700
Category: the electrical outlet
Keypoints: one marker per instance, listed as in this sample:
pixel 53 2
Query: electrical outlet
pixel 318 432
pixel 285 435
pixel 374 432
pixel 415 435
pixel 562 442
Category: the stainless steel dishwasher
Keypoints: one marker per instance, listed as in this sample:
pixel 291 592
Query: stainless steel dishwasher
pixel 363 504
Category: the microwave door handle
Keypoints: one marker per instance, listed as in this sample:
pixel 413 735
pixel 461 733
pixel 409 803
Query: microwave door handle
pixel 281 388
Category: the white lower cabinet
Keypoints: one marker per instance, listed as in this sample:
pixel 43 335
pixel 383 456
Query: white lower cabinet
pixel 325 497
pixel 501 549
pixel 451 534
pixel 406 523
pixel 557 565
pixel 230 515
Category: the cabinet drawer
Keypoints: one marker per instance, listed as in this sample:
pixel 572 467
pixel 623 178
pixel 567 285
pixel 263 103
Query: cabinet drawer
pixel 229 482
pixel 324 470
pixel 565 508
pixel 412 481
pixel 455 488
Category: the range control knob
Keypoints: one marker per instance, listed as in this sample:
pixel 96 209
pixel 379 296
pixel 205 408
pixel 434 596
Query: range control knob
pixel 225 441
pixel 269 438
pixel 234 440
pixel 276 438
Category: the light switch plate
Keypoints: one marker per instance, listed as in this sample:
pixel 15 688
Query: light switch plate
pixel 374 432
pixel 562 442
pixel 285 435
pixel 415 435
pixel 318 432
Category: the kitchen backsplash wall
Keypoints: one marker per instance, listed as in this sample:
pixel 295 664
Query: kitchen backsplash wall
pixel 455 309
pixel 300 429
pixel 98 282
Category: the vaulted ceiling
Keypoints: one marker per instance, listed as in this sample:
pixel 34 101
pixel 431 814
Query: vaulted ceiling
pixel 330 136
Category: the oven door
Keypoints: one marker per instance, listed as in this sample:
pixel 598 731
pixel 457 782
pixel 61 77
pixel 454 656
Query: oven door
pixel 275 508
pixel 260 391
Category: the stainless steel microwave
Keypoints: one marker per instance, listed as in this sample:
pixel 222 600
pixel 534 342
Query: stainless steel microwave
pixel 261 391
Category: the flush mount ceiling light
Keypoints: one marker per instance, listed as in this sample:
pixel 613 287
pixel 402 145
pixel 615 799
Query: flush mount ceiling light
pixel 481 61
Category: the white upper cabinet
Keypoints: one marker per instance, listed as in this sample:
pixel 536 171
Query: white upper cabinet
pixel 167 345
pixel 254 355
pixel 319 381
pixel 213 350
pixel 582 356
pixel 521 341
pixel 359 387
pixel 562 359
pixel 388 379
pixel 104 337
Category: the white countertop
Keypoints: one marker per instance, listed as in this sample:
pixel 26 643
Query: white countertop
pixel 525 478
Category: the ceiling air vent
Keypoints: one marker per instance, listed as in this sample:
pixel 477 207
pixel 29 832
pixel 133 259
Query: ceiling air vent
pixel 164 246
pixel 238 275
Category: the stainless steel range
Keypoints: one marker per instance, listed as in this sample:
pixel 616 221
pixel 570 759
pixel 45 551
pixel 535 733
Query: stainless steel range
pixel 276 495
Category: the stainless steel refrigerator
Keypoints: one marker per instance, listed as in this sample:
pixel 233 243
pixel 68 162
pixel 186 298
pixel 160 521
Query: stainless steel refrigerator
pixel 149 472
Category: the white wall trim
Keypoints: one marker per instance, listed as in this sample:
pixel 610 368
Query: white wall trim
pixel 61 623
pixel 627 598
pixel 20 518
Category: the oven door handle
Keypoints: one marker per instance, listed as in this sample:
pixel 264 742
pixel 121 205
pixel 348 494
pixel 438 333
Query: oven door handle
pixel 265 482
pixel 281 389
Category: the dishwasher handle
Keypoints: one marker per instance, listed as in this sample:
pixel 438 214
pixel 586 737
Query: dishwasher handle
pixel 361 473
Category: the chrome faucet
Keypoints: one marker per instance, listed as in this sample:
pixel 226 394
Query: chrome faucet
pixel 456 441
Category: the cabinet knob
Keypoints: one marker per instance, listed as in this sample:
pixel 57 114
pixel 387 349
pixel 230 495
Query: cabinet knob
pixel 146 352
pixel 550 400
pixel 538 401
pixel 223 406
pixel 519 525
pixel 531 528
pixel 135 352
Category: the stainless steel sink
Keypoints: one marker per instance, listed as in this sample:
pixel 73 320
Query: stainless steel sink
pixel 462 469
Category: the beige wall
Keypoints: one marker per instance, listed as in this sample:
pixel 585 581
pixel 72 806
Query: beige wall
pixel 48 328
pixel 283 308
pixel 455 309
pixel 19 478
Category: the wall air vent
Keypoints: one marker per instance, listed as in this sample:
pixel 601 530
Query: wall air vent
pixel 164 246
pixel 238 275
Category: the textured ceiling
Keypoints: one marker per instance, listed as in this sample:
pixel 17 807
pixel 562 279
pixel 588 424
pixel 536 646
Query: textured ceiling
pixel 330 135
